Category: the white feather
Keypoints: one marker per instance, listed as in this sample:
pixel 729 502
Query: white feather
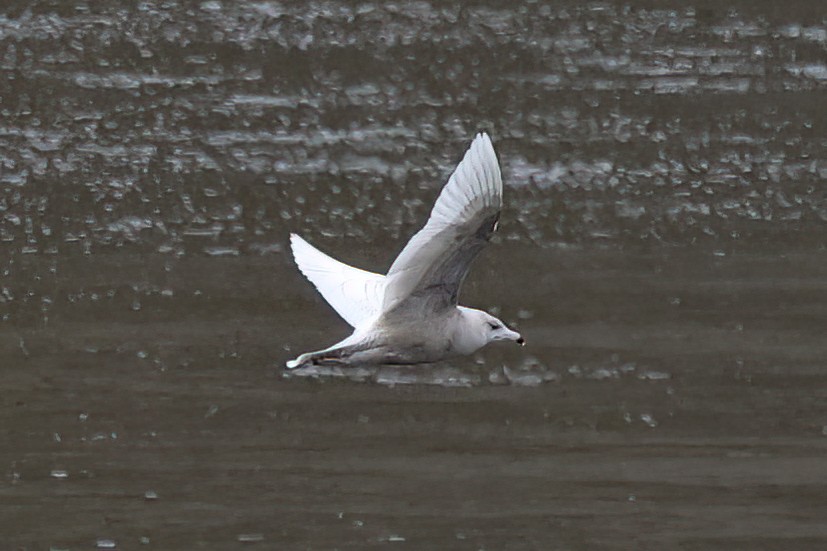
pixel 475 187
pixel 355 294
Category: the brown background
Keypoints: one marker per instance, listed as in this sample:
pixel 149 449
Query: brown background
pixel 662 250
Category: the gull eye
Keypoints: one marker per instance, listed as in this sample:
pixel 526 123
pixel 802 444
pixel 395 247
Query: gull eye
pixel 493 325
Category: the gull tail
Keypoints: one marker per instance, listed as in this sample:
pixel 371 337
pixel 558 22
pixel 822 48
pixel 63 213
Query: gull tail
pixel 316 358
pixel 337 355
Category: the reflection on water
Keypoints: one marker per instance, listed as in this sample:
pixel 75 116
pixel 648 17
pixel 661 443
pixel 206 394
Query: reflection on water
pixel 662 250
pixel 212 129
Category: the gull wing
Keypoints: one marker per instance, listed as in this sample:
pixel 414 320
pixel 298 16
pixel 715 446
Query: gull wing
pixel 432 266
pixel 355 294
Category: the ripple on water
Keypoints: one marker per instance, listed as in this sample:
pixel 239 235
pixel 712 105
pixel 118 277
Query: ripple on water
pixel 250 538
pixel 529 373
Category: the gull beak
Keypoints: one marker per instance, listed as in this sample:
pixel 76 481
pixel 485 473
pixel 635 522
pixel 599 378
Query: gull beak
pixel 514 336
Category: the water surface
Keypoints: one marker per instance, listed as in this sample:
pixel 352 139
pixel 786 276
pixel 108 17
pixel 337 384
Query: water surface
pixel 662 250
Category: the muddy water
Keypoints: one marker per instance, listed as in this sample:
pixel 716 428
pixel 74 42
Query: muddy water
pixel 662 250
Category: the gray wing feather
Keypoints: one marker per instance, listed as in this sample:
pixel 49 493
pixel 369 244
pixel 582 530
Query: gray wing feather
pixel 429 271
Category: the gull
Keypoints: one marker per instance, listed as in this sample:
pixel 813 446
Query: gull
pixel 412 315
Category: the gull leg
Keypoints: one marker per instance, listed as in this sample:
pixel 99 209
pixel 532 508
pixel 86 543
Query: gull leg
pixel 328 357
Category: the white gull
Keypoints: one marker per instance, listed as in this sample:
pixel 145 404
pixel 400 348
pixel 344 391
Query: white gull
pixel 411 315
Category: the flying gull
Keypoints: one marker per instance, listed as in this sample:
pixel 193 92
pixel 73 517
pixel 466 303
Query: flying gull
pixel 411 315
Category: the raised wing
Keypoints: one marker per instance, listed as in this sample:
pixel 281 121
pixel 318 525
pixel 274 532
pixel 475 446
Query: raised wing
pixel 355 294
pixel 432 266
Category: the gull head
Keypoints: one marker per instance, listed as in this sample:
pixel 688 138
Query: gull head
pixel 480 328
pixel 498 331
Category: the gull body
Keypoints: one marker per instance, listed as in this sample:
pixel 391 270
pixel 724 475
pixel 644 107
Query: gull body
pixel 412 315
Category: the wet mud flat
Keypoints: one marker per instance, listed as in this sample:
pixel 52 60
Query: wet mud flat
pixel 676 413
pixel 662 250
